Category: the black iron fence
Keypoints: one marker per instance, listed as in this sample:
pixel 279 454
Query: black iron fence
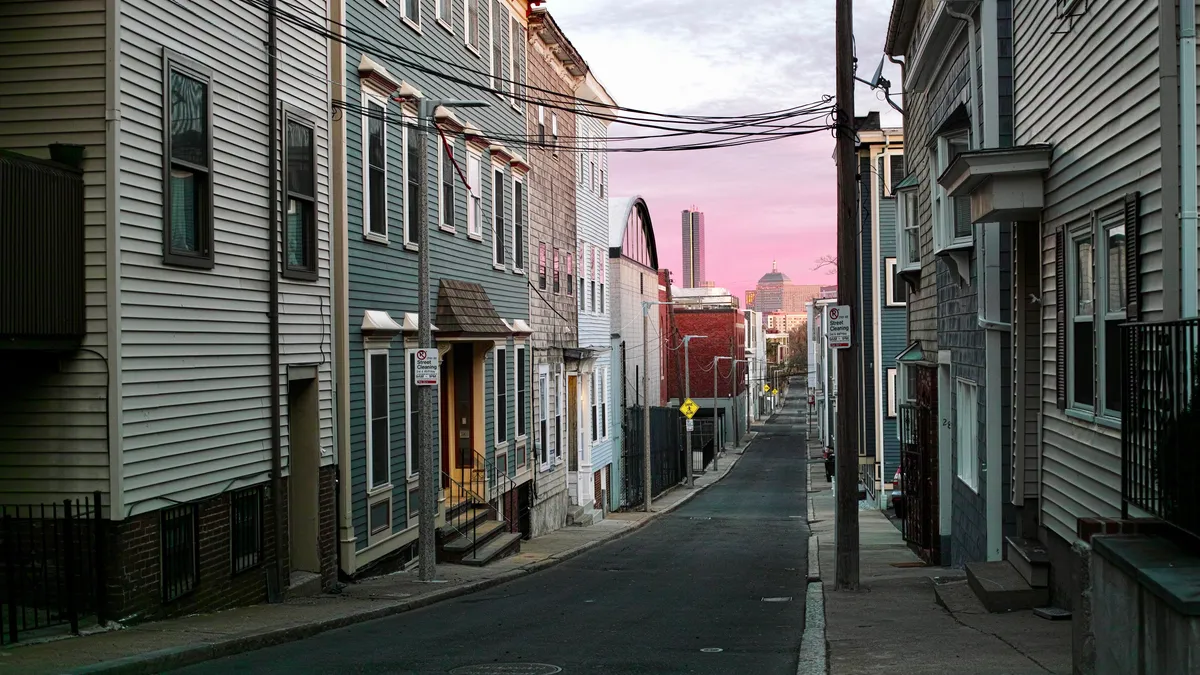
pixel 52 558
pixel 702 440
pixel 1161 421
pixel 667 466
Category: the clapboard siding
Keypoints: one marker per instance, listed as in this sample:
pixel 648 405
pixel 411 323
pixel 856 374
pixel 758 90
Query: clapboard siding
pixel 53 440
pixel 868 183
pixel 384 276
pixel 1106 143
pixel 196 355
pixel 891 334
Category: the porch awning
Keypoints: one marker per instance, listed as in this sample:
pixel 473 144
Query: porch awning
pixel 465 310
pixel 580 353
pixel 914 354
pixel 1004 184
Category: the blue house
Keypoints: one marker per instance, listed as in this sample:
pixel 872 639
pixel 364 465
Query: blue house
pixel 477 212
pixel 882 328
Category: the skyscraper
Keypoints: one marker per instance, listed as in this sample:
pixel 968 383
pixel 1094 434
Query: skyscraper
pixel 693 249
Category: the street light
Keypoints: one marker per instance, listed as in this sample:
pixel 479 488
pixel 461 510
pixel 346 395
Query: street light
pixel 428 514
pixel 715 453
pixel 687 394
pixel 646 304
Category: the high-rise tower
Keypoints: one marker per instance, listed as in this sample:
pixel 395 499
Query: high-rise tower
pixel 693 249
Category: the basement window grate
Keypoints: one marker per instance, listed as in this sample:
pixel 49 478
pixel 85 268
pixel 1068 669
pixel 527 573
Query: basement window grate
pixel 245 528
pixel 180 552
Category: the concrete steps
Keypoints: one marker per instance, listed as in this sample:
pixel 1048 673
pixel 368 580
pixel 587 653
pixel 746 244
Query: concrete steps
pixel 496 548
pixel 1001 588
pixel 1031 560
pixel 473 537
pixel 583 515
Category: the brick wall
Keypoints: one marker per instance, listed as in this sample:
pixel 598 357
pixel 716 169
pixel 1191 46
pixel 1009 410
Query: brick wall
pixel 723 329
pixel 327 535
pixel 598 504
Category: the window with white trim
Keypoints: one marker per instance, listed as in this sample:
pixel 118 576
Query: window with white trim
pixel 952 227
pixel 557 272
pixel 544 452
pixel 498 217
pixel 475 197
pixel 375 169
pixel 1097 305
pixel 412 431
pixel 541 125
pixel 570 262
pixel 518 225
pixel 908 230
pixel 896 293
pixel 892 394
pixel 595 405
pixel 378 407
pixel 410 11
pixel 496 9
pixel 522 366
pixel 471 23
pixel 412 161
pixel 560 404
pixel 444 12
pixel 604 404
pixel 500 394
pixel 966 402
pixel 554 132
pixel 446 171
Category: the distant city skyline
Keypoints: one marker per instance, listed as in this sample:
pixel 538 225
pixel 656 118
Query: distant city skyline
pixel 693 273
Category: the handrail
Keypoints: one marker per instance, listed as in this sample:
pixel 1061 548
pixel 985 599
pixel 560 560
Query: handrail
pixel 497 484
pixel 457 522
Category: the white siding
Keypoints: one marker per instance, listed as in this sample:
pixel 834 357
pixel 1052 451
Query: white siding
pixel 196 396
pixel 53 441
pixel 1092 92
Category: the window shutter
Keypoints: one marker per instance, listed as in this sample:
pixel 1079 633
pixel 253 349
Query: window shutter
pixel 1060 305
pixel 1132 258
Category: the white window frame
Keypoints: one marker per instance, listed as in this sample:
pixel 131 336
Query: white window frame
pixel 473 46
pixel 411 445
pixel 442 146
pixel 554 132
pixel 412 22
pixel 405 138
pixel 545 421
pixel 905 199
pixel 541 117
pixel 558 415
pixel 1106 221
pixel 1073 239
pixel 497 234
pixel 512 58
pixel 942 205
pixel 372 485
pixel 604 404
pixel 522 430
pixel 497 374
pixel 475 195
pixel 495 43
pixel 893 399
pixel 966 402
pixel 889 287
pixel 594 404
pixel 444 21
pixel 369 97
pixel 518 268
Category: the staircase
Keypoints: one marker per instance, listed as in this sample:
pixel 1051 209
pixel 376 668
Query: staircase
pixel 1019 582
pixel 475 534
pixel 583 515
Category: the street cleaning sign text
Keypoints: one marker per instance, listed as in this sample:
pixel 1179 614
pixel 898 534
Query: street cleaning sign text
pixel 838 328
pixel 426 371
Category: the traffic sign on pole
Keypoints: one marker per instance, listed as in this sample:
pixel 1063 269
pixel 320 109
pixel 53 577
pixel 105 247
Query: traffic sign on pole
pixel 426 370
pixel 689 408
pixel 838 328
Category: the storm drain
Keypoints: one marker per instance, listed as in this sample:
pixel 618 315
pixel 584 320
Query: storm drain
pixel 507 669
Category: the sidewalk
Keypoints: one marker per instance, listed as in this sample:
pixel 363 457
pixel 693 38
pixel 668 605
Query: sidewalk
pixel 164 645
pixel 894 624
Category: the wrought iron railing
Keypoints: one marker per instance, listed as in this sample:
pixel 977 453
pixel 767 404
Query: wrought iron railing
pixel 1159 459
pixel 53 566
pixel 485 484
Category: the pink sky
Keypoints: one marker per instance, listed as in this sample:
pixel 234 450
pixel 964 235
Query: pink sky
pixel 771 201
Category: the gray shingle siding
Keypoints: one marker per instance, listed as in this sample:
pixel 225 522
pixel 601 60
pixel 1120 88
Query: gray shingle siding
pixel 384 276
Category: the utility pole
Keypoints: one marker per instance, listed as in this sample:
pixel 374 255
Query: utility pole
pixel 646 403
pixel 716 359
pixel 846 512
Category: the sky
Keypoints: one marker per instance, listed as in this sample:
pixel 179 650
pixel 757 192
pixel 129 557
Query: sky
pixel 763 202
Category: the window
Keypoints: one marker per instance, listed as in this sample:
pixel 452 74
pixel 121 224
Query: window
pixel 952 215
pixel 446 170
pixel 604 404
pixel 497 11
pixel 543 419
pixel 245 528
pixel 445 12
pixel 520 40
pixel 498 218
pixel 570 274
pixel 909 230
pixel 591 295
pixel 560 404
pixel 471 23
pixel 554 132
pixel 601 291
pixel 1115 308
pixel 522 391
pixel 375 191
pixel 379 467
pixel 891 392
pixel 412 434
pixel 410 11
pixel 557 272
pixel 542 266
pixel 518 225
pixel 1081 306
pixel 584 144
pixel 603 184
pixel 300 190
pixel 500 407
pixel 966 401
pixel 187 164
pixel 595 403
pixel 379 517
pixel 541 125
pixel 897 292
pixel 178 531
pixel 475 201
pixel 592 160
pixel 412 165
pixel 515 43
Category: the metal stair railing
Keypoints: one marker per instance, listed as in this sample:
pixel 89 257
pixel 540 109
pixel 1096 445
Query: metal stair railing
pixel 464 522
pixel 498 483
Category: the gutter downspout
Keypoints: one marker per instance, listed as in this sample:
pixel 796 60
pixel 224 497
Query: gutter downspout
pixel 339 256
pixel 273 276
pixel 1188 157
pixel 1169 120
pixel 112 215
pixel 976 134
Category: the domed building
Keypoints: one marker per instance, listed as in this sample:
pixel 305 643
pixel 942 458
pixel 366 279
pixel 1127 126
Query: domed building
pixel 768 296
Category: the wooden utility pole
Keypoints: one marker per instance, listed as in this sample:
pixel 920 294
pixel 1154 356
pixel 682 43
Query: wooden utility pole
pixel 846 513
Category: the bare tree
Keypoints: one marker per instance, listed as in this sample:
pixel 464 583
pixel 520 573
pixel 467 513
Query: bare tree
pixel 827 260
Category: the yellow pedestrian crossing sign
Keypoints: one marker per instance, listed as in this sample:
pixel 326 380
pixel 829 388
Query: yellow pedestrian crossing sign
pixel 689 408
pixel 766 387
pixel 774 392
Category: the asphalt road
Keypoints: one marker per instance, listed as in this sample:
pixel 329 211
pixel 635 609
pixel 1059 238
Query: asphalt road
pixel 725 571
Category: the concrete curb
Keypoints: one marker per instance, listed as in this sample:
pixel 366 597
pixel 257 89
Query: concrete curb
pixel 814 560
pixel 813 648
pixel 174 658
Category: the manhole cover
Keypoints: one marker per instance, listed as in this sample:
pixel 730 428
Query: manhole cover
pixel 508 669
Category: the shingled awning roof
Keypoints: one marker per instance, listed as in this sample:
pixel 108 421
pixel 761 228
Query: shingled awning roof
pixel 464 309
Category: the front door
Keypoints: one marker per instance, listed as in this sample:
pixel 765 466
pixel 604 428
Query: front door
pixel 464 412
pixel 573 445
